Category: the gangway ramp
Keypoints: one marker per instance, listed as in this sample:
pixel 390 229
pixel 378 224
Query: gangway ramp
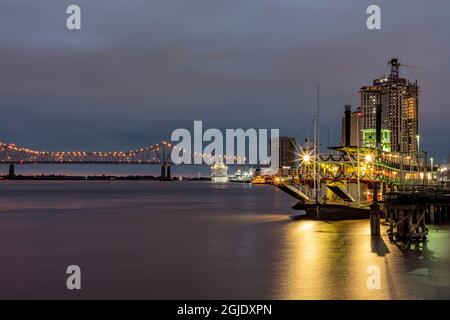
pixel 298 191
pixel 341 193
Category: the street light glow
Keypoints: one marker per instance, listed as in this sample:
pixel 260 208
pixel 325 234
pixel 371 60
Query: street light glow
pixel 368 158
pixel 306 158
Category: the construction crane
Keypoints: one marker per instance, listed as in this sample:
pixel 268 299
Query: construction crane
pixel 413 67
pixel 395 67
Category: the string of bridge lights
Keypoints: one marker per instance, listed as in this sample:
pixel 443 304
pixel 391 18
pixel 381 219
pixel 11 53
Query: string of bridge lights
pixel 15 148
pixel 133 153
pixel 208 156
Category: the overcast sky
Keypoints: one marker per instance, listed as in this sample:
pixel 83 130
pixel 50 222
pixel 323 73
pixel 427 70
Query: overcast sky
pixel 139 69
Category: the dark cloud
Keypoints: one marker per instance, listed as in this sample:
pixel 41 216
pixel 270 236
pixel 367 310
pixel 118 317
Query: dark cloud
pixel 139 69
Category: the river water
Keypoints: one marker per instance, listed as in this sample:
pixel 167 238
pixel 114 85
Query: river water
pixel 199 240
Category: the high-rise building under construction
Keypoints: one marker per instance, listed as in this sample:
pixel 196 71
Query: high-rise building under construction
pixel 400 102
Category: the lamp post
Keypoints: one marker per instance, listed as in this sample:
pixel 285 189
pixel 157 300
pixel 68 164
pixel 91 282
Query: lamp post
pixel 443 170
pixel 358 165
pixel 305 158
pixel 432 171
pixel 418 143
pixel 418 150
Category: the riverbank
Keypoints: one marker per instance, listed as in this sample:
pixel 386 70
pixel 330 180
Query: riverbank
pixel 99 178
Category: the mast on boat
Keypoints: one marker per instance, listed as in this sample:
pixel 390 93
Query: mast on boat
pixel 317 153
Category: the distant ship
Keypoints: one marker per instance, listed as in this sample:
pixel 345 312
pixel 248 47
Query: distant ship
pixel 219 173
pixel 242 176
pixel 262 180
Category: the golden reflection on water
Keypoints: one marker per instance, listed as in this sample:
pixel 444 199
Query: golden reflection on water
pixel 306 226
pixel 329 260
pixel 299 279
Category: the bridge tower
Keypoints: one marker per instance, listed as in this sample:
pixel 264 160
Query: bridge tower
pixel 163 171
pixel 169 176
pixel 163 153
pixel 11 174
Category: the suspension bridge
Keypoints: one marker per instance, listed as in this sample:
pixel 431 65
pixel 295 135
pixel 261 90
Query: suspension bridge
pixel 156 154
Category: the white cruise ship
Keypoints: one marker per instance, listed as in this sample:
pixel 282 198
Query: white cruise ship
pixel 219 173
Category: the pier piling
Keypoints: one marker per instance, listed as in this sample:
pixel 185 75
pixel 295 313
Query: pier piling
pixel 375 220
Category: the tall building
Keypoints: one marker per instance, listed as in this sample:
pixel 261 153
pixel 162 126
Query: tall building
pixel 400 104
pixel 288 147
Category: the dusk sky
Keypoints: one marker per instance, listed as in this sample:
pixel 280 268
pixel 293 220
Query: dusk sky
pixel 140 69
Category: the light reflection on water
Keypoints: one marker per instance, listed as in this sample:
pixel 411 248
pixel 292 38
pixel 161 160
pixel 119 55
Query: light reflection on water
pixel 329 260
pixel 198 240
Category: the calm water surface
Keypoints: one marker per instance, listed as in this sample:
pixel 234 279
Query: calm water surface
pixel 182 240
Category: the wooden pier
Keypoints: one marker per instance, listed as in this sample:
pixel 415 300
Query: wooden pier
pixel 408 212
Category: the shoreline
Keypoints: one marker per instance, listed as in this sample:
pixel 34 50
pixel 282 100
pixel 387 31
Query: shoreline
pixel 97 178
